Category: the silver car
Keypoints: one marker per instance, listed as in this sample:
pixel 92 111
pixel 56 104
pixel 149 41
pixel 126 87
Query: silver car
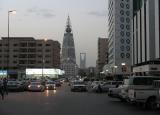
pixel 15 85
pixel 36 86
pixel 50 85
pixel 78 86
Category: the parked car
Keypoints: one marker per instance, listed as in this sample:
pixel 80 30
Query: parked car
pixel 92 86
pixel 78 86
pixel 104 86
pixel 114 92
pixel 50 85
pixel 16 85
pixel 36 86
pixel 110 84
pixel 136 82
pixel 57 83
pixel 149 97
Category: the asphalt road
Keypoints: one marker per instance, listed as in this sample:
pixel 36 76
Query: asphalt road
pixel 64 102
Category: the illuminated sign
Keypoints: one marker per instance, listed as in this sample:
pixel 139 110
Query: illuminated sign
pixel 43 71
pixel 2 72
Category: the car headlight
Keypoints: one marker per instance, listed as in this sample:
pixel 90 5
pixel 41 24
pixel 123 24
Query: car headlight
pixel 38 86
pixel 29 86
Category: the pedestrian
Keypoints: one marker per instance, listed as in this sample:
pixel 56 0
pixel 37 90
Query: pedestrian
pixel 1 90
pixel 99 88
pixel 5 87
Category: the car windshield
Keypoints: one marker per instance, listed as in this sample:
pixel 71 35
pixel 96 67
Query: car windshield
pixel 78 83
pixel 50 83
pixel 35 83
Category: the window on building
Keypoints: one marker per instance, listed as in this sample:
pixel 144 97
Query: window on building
pixel 127 20
pixel 122 12
pixel 122 19
pixel 122 33
pixel 6 44
pixel 47 50
pixel 48 44
pixel 40 56
pixel 128 48
pixel 127 6
pixel 15 45
pixel 47 62
pixel 128 41
pixel 15 56
pixel 128 55
pixel 128 27
pixel 127 13
pixel 128 34
pixel 23 44
pixel 122 55
pixel 122 5
pixel 31 44
pixel 122 26
pixel 122 48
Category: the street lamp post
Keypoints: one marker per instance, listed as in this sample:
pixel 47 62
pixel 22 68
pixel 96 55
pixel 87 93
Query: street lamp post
pixel 43 58
pixel 9 12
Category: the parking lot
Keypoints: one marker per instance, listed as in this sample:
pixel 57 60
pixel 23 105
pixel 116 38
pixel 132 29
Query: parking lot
pixel 64 102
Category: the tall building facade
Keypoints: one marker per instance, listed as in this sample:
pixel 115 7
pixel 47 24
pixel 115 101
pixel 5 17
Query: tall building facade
pixel 82 60
pixel 102 58
pixel 68 59
pixel 119 34
pixel 19 53
pixel 146 37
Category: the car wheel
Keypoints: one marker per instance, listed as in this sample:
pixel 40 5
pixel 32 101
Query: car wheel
pixel 151 103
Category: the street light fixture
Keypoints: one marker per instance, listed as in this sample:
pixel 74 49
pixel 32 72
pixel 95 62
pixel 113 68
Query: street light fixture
pixel 9 12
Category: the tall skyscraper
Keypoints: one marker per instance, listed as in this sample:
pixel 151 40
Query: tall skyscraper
pixel 68 59
pixel 119 34
pixel 82 60
pixel 146 37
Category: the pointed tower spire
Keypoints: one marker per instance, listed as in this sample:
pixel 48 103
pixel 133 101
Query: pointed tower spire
pixel 68 25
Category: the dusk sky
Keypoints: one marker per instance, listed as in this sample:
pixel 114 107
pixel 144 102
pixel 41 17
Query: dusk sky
pixel 47 19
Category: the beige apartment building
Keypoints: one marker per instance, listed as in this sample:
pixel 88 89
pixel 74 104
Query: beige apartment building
pixel 27 52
